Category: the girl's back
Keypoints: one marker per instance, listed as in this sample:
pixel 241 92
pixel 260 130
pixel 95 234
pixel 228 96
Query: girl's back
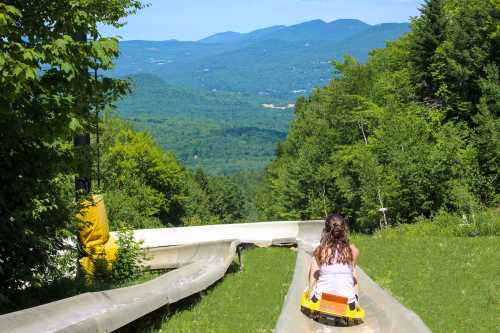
pixel 336 278
pixel 334 260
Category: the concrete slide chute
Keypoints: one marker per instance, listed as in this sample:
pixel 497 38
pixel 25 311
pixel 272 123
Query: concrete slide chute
pixel 201 256
pixel 384 314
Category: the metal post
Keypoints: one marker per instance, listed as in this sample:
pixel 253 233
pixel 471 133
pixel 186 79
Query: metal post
pixel 98 175
pixel 81 141
pixel 382 208
pixel 240 257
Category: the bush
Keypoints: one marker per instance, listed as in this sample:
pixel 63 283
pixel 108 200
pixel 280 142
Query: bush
pixel 196 220
pixel 130 257
pixel 135 169
pixel 128 264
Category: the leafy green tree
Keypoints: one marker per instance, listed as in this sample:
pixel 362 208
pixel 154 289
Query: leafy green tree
pixel 393 83
pixel 219 196
pixel 457 57
pixel 487 138
pixel 250 183
pixel 362 143
pixel 44 85
pixel 197 205
pixel 225 200
pixel 144 184
pixel 136 206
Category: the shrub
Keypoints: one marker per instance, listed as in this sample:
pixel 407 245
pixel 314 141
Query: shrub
pixel 128 264
pixel 130 257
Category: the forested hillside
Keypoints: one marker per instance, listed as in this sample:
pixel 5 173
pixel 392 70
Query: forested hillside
pixel 146 186
pixel 221 132
pixel 415 130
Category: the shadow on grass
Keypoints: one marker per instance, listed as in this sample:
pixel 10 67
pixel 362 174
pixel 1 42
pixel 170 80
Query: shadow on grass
pixel 64 288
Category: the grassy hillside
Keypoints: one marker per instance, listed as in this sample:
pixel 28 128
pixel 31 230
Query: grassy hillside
pixel 452 283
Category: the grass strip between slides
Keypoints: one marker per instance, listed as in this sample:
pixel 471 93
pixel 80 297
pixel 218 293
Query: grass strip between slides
pixel 245 301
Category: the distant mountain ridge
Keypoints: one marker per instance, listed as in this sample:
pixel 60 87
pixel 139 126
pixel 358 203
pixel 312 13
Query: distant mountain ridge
pixel 231 36
pixel 311 30
pixel 273 61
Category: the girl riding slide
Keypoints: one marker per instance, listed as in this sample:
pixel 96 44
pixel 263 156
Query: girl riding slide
pixel 333 268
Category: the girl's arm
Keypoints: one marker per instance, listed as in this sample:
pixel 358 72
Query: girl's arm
pixel 355 255
pixel 313 273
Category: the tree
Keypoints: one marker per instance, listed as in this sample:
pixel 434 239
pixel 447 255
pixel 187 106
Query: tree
pixel 225 200
pixel 452 43
pixel 43 79
pixel 487 138
pixel 142 181
pixel 461 61
pixel 219 196
pixel 427 34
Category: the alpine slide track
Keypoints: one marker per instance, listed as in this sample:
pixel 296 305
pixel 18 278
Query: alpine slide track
pixel 198 257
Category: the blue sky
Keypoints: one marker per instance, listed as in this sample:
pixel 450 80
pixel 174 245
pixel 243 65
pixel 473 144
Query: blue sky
pixel 195 19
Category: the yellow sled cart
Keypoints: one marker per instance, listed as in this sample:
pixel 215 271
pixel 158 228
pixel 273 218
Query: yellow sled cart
pixel 331 307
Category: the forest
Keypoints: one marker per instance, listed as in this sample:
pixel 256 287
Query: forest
pixel 415 130
pixel 410 135
pixel 221 132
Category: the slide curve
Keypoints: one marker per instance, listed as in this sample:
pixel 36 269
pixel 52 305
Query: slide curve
pixel 201 256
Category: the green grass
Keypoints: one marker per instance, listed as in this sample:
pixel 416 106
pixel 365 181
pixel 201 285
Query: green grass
pixel 452 283
pixel 245 301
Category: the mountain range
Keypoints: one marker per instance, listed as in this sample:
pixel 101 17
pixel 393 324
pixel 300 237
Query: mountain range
pixel 204 99
pixel 271 62
pixel 311 30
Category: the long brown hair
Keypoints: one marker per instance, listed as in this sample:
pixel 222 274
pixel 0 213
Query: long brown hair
pixel 334 246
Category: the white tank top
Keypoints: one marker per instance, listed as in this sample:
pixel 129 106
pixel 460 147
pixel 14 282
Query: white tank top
pixel 336 279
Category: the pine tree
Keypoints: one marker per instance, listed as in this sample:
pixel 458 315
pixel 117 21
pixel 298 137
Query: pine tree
pixel 428 33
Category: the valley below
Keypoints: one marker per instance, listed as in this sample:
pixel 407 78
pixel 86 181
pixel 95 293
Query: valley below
pixel 224 103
